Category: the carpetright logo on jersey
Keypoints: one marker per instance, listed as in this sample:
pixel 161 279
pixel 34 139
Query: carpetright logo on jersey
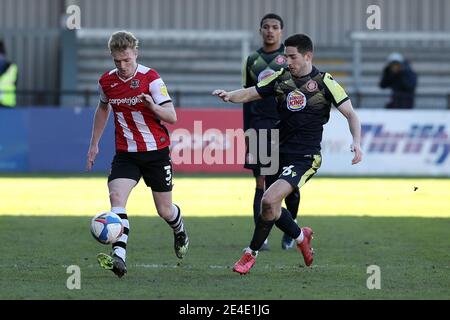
pixel 296 100
pixel 129 101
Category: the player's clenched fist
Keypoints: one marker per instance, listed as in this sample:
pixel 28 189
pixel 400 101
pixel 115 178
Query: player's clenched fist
pixel 147 100
pixel 222 94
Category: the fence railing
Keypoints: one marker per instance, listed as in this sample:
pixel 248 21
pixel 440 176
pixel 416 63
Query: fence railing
pixel 89 98
pixel 243 37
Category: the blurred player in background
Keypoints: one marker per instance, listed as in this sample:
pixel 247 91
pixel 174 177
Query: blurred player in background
pixel 140 101
pixel 262 114
pixel 8 79
pixel 304 96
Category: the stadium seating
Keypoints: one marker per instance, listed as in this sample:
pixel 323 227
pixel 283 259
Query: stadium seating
pixel 193 69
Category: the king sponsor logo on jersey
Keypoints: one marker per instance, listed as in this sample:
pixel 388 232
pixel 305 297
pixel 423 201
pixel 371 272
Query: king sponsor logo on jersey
pixel 296 101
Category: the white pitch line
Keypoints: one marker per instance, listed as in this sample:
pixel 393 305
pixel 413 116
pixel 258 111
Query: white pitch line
pixel 189 266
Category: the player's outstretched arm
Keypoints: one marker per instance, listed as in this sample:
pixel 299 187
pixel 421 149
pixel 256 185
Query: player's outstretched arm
pixel 100 120
pixel 238 96
pixel 355 129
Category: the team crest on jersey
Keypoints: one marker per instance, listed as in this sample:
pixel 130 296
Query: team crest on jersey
pixel 134 84
pixel 265 74
pixel 311 85
pixel 296 100
pixel 280 60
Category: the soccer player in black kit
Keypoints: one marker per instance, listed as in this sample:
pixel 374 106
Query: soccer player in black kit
pixel 304 97
pixel 262 114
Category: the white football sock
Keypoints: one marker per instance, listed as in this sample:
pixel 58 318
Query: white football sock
pixel 300 237
pixel 253 253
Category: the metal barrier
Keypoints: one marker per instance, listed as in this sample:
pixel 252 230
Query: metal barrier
pixel 244 37
pixel 89 98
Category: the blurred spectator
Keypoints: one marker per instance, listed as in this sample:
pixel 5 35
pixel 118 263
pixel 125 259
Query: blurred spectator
pixel 8 79
pixel 399 76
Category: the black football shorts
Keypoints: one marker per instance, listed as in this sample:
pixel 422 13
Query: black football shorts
pixel 154 166
pixel 295 169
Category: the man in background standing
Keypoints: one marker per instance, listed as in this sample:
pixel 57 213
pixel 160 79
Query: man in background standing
pixel 401 78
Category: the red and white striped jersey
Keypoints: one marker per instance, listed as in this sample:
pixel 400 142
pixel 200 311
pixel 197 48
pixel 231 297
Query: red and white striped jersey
pixel 137 128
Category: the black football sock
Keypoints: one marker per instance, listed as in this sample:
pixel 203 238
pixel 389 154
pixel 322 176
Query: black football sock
pixel 262 230
pixel 286 224
pixel 257 203
pixel 292 202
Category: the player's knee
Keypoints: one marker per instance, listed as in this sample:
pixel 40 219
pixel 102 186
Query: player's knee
pixel 267 203
pixel 267 200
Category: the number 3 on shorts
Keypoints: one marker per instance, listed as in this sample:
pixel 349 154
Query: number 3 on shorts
pixel 168 175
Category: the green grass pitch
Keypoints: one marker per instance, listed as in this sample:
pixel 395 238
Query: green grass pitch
pixel 400 225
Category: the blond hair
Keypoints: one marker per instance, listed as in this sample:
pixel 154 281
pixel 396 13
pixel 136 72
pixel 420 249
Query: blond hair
pixel 122 40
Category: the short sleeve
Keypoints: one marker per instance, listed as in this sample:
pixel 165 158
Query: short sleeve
pixel 103 97
pixel 335 90
pixel 266 87
pixel 158 90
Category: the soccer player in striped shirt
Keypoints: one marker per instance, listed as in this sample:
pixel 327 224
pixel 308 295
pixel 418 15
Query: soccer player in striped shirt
pixel 139 100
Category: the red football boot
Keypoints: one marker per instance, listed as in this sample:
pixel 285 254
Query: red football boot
pixel 305 246
pixel 244 264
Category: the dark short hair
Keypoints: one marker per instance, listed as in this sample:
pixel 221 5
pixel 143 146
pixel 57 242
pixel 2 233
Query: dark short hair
pixel 272 16
pixel 2 47
pixel 302 42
